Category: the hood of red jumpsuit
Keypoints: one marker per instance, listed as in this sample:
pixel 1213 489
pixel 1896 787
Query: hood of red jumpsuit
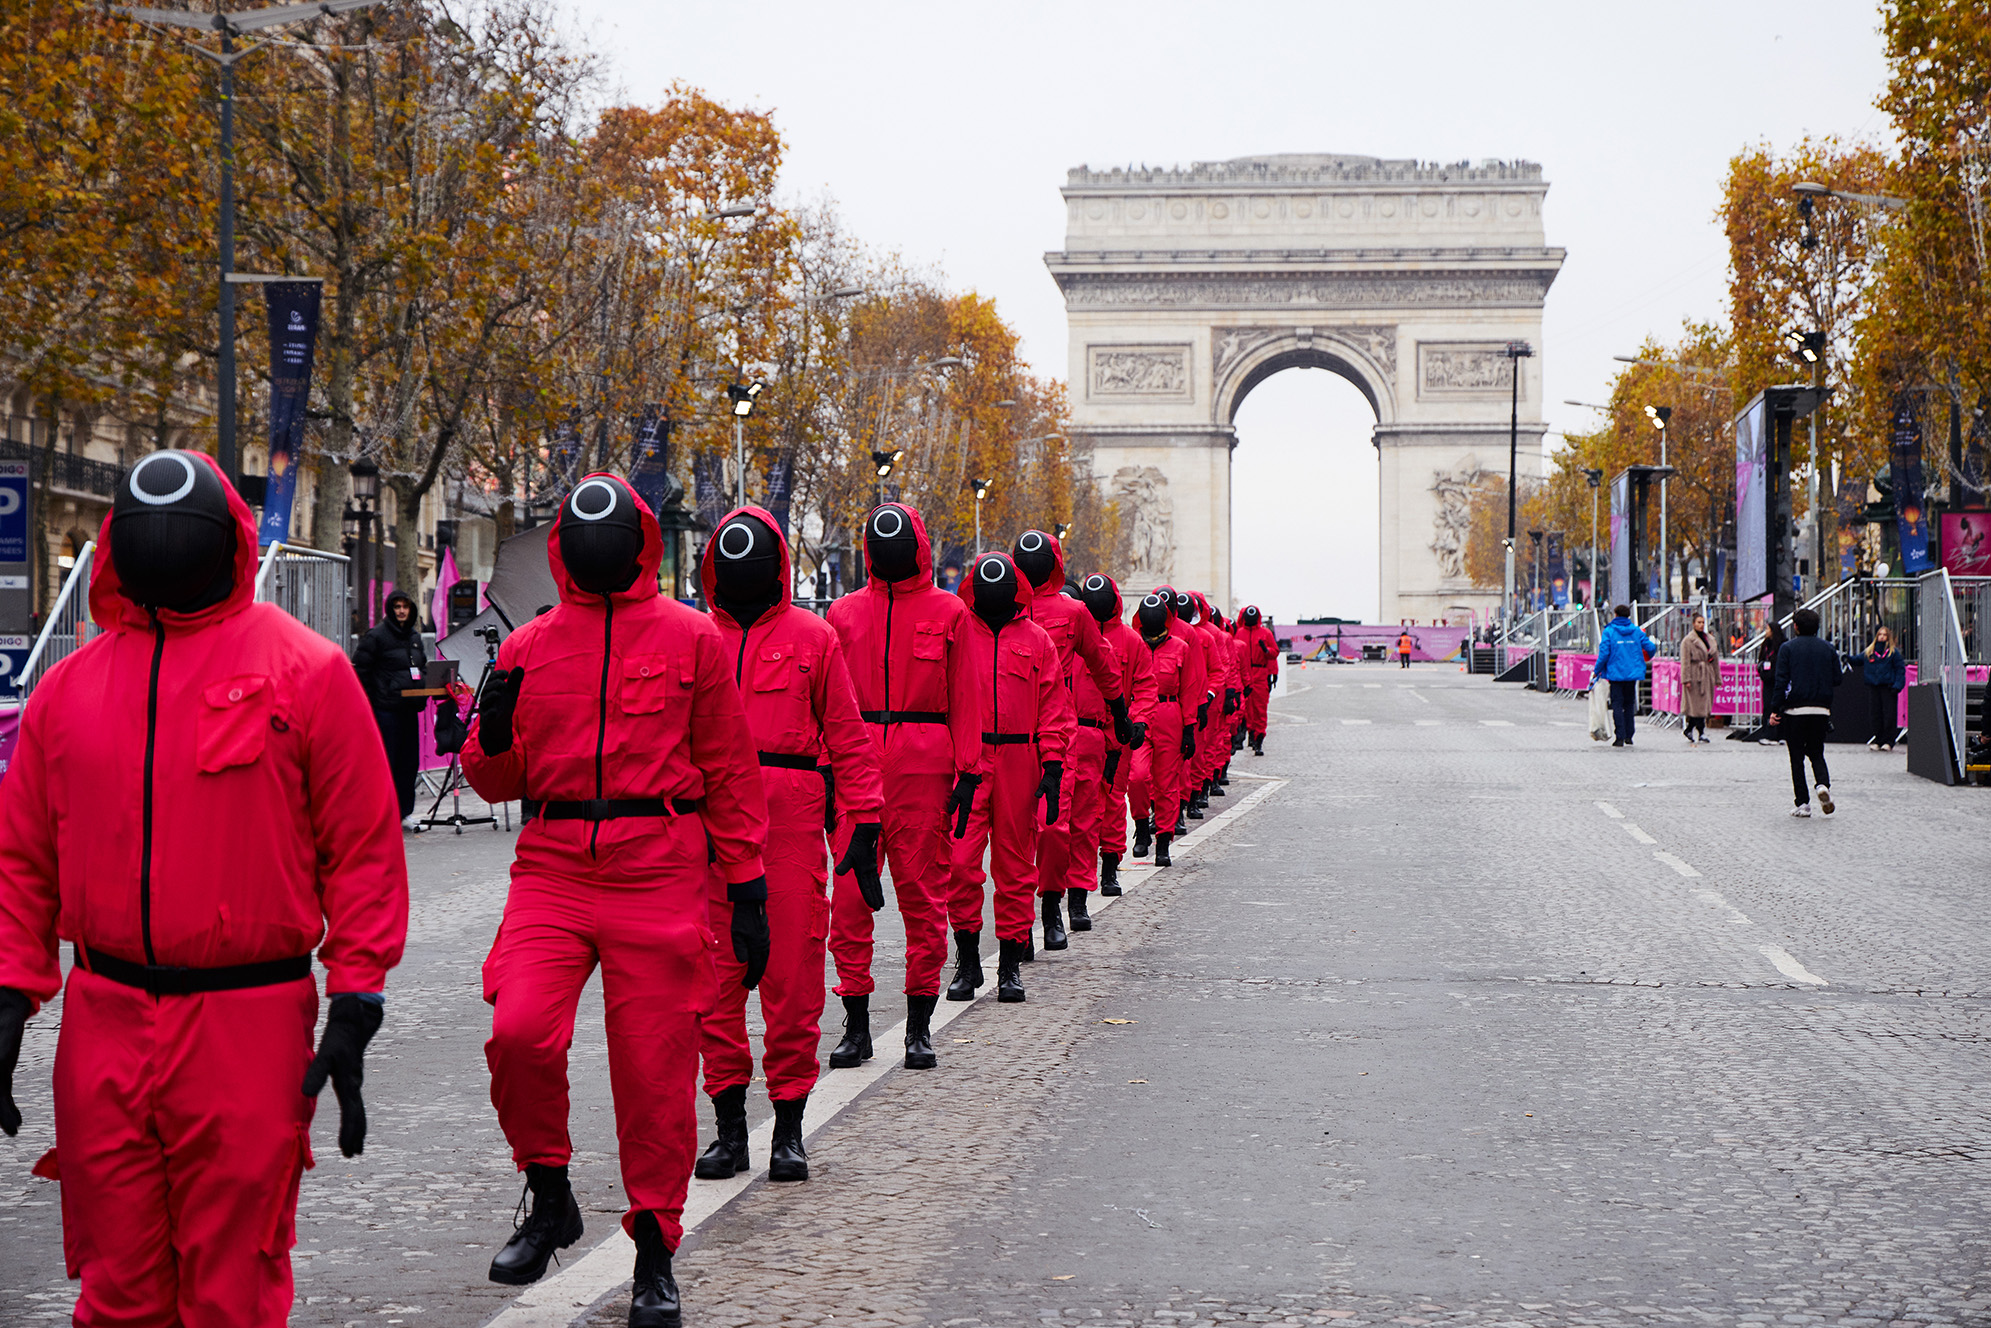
pixel 709 579
pixel 1119 605
pixel 648 562
pixel 871 577
pixel 110 609
pixel 1057 581
pixel 1025 592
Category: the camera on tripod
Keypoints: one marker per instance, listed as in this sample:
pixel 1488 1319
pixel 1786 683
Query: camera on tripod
pixel 490 633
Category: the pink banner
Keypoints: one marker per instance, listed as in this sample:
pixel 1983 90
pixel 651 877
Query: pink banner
pixel 10 733
pixel 1666 686
pixel 1738 692
pixel 1439 643
pixel 1575 673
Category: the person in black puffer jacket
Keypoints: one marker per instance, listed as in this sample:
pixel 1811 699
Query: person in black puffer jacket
pixel 389 661
pixel 1806 673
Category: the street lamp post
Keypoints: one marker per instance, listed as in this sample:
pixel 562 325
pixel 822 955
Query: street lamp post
pixel 366 491
pixel 981 488
pixel 1596 479
pixel 1661 416
pixel 1536 588
pixel 1516 352
pixel 884 463
pixel 1810 347
pixel 743 396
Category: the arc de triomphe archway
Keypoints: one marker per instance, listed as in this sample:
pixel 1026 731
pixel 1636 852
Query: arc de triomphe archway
pixel 1184 289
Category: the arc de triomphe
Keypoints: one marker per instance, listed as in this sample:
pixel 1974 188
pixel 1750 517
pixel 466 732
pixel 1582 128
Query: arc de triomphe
pixel 1184 289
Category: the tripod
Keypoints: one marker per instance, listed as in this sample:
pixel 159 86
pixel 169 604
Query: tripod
pixel 452 780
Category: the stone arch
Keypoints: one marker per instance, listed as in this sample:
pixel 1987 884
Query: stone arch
pixel 1254 361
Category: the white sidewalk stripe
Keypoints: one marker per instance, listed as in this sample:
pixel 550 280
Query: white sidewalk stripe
pixel 1610 811
pixel 1789 967
pixel 1684 868
pixel 1637 833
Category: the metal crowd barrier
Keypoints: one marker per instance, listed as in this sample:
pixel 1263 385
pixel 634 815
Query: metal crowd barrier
pixel 311 586
pixel 68 628
pixel 1941 657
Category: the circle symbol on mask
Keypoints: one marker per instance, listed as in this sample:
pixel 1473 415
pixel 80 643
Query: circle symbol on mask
pixel 1031 542
pixel 1095 582
pixel 139 476
pixel 1154 602
pixel 992 571
pixel 889 523
pixel 731 548
pixel 587 487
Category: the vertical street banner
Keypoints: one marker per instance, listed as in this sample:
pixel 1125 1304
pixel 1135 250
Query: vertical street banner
pixel 1620 584
pixel 708 488
pixel 1852 502
pixel 650 469
pixel 1911 522
pixel 563 454
pixel 1752 495
pixel 1558 572
pixel 780 488
pixel 293 311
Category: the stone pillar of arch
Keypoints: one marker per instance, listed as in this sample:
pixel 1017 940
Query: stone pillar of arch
pixel 1186 288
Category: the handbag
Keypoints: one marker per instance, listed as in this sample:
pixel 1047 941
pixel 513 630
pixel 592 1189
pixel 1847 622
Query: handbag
pixel 1600 710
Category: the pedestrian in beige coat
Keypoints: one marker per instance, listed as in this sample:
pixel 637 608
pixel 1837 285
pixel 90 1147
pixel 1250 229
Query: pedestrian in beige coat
pixel 1700 671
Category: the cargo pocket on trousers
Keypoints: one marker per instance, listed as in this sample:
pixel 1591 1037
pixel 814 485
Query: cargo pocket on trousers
pixel 819 920
pixel 281 1231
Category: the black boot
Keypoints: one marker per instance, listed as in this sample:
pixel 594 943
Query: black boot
pixel 1196 805
pixel 1027 949
pixel 967 966
pixel 727 1155
pixel 919 1032
pixel 1009 972
pixel 855 1049
pixel 1144 836
pixel 1182 811
pixel 553 1224
pixel 1258 744
pixel 1076 910
pixel 786 1158
pixel 1109 874
pixel 653 1301
pixel 1054 923
pixel 1222 780
pixel 1161 850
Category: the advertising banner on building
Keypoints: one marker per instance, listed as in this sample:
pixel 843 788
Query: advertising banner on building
pixel 16 603
pixel 293 311
pixel 1852 501
pixel 649 470
pixel 1967 543
pixel 1558 571
pixel 1752 496
pixel 781 488
pixel 1621 538
pixel 1911 522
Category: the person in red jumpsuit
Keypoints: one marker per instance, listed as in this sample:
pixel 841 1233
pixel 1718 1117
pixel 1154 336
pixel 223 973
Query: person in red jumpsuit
pixel 1196 697
pixel 1101 596
pixel 1026 723
pixel 1041 559
pixel 1155 784
pixel 803 715
pixel 616 710
pixel 1223 718
pixel 905 643
pixel 1258 662
pixel 199 800
pixel 1217 669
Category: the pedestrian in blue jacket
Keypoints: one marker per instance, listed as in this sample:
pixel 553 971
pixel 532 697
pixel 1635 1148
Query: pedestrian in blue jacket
pixel 1622 651
pixel 1886 674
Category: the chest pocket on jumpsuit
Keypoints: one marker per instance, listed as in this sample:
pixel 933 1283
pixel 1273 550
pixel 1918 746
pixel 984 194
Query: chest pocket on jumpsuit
pixel 774 669
pixel 925 688
pixel 1019 689
pixel 235 718
pixel 652 685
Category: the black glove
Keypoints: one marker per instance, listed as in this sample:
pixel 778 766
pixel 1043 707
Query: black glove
pixel 500 702
pixel 14 1006
pixel 1112 765
pixel 1202 714
pixel 1047 789
pixel 349 1026
pixel 451 731
pixel 961 800
pixel 1230 700
pixel 1140 738
pixel 750 935
pixel 1123 727
pixel 1188 742
pixel 862 858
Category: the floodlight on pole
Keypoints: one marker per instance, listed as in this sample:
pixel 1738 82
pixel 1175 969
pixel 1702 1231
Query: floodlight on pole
pixel 1807 346
pixel 1660 417
pixel 743 396
pixel 1061 529
pixel 885 462
pixel 1516 352
pixel 981 488
pixel 1809 189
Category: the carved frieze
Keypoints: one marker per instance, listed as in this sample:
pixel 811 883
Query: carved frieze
pixel 1138 371
pixel 1378 343
pixel 1453 522
pixel 1469 369
pixel 1323 290
pixel 1147 514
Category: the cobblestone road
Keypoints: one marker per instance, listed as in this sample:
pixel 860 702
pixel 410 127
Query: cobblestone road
pixel 1471 1020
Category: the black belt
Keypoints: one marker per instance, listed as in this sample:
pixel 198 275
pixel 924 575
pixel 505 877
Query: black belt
pixel 1007 739
pixel 164 980
pixel 903 716
pixel 789 761
pixel 616 809
pixel 1168 698
pixel 1092 723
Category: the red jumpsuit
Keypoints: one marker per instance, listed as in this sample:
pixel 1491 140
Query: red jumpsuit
pixel 1155 786
pixel 203 793
pixel 1081 649
pixel 803 717
pixel 1213 742
pixel 1025 720
pixel 1108 834
pixel 628 697
pixel 1258 662
pixel 905 646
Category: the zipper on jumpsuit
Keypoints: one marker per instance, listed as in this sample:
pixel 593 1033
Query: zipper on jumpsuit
pixel 891 598
pixel 151 745
pixel 601 723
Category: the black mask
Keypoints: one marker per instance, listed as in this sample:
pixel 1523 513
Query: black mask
pixel 1185 607
pixel 893 543
pixel 1098 594
pixel 746 567
pixel 1153 618
pixel 1035 557
pixel 172 535
pixel 1250 615
pixel 601 535
pixel 996 588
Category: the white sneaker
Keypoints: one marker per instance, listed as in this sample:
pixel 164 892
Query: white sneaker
pixel 1825 799
pixel 1802 810
pixel 411 822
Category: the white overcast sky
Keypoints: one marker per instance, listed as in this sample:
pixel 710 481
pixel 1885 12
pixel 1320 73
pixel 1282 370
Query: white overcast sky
pixel 944 133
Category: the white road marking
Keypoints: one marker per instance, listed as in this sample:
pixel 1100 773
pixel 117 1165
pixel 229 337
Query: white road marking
pixel 1427 723
pixel 1637 833
pixel 1789 967
pixel 1378 686
pixel 1684 868
pixel 1714 900
pixel 1357 721
pixel 563 1298
pixel 1416 696
pixel 1498 723
pixel 1610 811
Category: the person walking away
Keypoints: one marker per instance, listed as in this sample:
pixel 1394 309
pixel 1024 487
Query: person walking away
pixel 1700 674
pixel 1258 660
pixel 905 645
pixel 789 667
pixel 1027 724
pixel 388 660
pixel 1806 674
pixel 616 710
pixel 1101 595
pixel 1622 650
pixel 1766 668
pixel 1886 674
pixel 198 803
pixel 1404 645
